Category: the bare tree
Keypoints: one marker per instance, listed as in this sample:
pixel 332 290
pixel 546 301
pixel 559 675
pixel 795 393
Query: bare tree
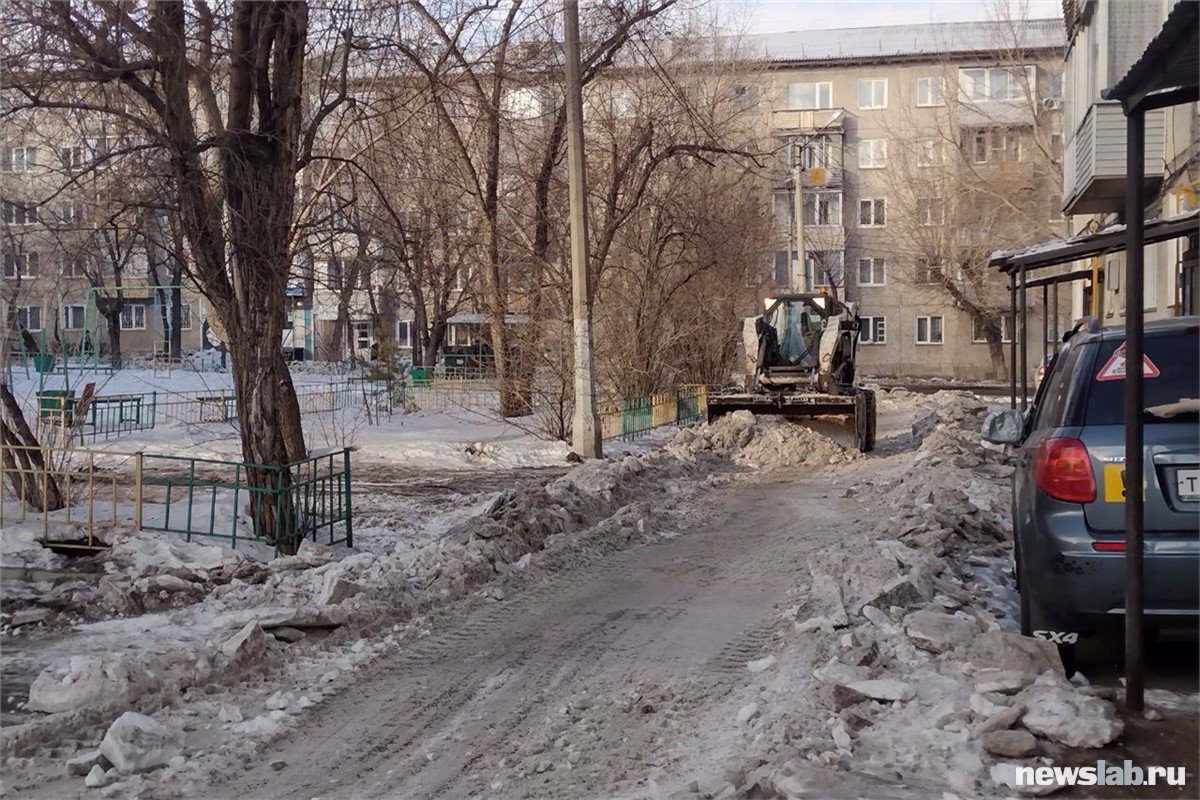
pixel 985 176
pixel 221 92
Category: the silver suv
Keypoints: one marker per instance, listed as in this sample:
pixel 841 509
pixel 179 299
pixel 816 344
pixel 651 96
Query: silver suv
pixel 1069 490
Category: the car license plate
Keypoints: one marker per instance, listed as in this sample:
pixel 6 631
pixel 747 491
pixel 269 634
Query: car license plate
pixel 1187 484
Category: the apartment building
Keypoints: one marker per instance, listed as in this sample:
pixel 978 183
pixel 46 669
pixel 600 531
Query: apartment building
pixel 1106 37
pixel 66 245
pixel 906 154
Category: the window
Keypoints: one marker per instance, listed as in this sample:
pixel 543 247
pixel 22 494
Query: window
pixel 1054 85
pixel 872 212
pixel 70 212
pixel 931 92
pixel 929 330
pixel 873 330
pixel 872 93
pixel 75 268
pixel 806 96
pixel 1056 148
pixel 872 271
pixel 333 273
pixel 930 211
pixel 823 268
pixel 1006 330
pixel 185 316
pixel 819 151
pixel 29 317
pixel 16 213
pixel 872 153
pixel 823 208
pixel 362 336
pixel 782 273
pixel 929 153
pixel 994 146
pixel 929 271
pixel 73 317
pixel 746 96
pixel 18 159
pixel 404 333
pixel 996 83
pixel 71 157
pixel 20 265
pixel 784 207
pixel 133 317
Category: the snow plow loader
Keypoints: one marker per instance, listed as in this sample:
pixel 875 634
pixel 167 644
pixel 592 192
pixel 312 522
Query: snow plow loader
pixel 800 364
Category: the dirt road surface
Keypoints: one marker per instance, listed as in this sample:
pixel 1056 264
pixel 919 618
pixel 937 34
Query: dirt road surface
pixel 436 719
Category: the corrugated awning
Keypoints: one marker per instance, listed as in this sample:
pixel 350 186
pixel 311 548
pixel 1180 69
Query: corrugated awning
pixel 1168 71
pixel 1109 240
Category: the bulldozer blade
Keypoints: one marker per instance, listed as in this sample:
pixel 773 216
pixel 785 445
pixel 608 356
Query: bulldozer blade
pixel 857 409
pixel 784 405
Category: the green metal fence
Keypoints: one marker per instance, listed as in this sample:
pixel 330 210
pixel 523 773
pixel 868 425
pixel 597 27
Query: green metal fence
pixel 237 501
pixel 221 405
pixel 629 418
pixel 113 415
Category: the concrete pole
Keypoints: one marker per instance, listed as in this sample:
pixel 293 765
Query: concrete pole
pixel 585 427
pixel 798 212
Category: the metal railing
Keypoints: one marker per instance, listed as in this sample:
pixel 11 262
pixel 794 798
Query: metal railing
pixel 239 501
pixel 65 494
pixel 221 405
pixel 629 418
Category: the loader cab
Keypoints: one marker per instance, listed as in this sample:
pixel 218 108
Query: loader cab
pixel 790 330
pixel 800 341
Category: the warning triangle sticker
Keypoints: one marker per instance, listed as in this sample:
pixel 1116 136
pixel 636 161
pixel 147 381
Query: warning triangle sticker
pixel 1114 370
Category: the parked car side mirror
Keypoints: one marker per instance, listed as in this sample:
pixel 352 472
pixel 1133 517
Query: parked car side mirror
pixel 1004 427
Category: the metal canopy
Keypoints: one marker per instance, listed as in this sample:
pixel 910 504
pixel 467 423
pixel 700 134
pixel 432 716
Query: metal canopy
pixel 1054 280
pixel 1049 254
pixel 1168 71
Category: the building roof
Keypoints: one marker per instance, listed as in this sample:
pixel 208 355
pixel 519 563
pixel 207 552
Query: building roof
pixel 1168 71
pixel 906 41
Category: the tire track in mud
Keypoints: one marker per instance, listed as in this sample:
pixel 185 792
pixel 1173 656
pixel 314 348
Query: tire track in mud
pixel 687 611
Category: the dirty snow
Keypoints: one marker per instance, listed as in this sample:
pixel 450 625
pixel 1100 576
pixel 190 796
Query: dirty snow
pixel 892 670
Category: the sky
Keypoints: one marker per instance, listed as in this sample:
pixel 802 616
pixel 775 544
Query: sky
pixel 767 16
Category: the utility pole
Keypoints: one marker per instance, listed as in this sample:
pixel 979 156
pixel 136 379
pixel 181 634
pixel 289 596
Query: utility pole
pixel 798 214
pixel 585 427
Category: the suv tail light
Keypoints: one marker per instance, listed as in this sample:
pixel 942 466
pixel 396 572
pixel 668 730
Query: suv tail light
pixel 1063 470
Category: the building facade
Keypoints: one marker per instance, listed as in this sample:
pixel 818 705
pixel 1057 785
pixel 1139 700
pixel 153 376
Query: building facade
pixel 85 265
pixel 905 155
pixel 1105 38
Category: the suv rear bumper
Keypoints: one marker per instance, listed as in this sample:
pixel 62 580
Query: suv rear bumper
pixel 1076 588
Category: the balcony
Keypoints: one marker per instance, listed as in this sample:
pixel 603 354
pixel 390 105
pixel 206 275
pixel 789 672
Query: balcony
pixel 823 119
pixel 1094 161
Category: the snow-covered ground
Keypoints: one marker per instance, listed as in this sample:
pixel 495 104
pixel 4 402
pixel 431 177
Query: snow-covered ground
pixel 741 610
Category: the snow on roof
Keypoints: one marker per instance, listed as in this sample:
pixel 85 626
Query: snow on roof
pixel 908 40
pixel 1043 248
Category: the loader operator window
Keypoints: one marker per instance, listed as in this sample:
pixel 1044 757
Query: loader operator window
pixel 798 329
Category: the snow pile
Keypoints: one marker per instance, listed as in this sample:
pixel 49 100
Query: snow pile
pixel 765 442
pixel 20 548
pixel 914 673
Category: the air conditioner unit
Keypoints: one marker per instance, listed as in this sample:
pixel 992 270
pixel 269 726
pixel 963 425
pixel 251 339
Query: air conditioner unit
pixel 1051 104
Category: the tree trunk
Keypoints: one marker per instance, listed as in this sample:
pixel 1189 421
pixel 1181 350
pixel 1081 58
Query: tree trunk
pixel 114 337
pixel 176 345
pixel 36 485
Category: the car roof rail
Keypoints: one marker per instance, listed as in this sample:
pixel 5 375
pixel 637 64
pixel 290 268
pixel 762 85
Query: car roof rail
pixel 1091 324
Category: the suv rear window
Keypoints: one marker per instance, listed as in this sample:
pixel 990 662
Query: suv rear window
pixel 1176 356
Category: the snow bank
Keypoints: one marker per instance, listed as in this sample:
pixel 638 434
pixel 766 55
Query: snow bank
pixel 764 442
pixel 918 676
